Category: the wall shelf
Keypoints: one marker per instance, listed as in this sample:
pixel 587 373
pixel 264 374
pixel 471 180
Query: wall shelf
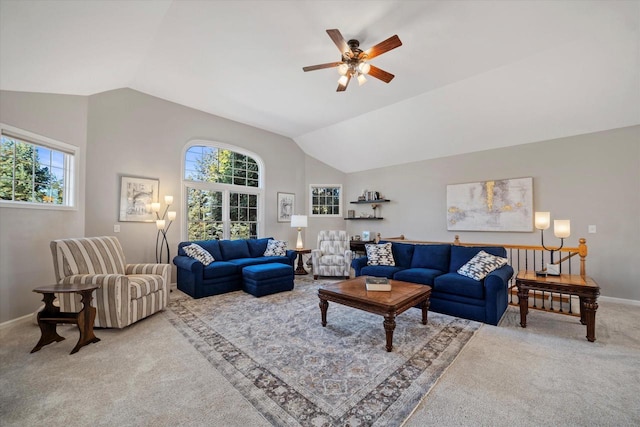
pixel 363 219
pixel 368 202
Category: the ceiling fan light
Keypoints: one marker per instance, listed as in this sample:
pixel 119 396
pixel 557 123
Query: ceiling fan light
pixel 343 68
pixel 361 79
pixel 342 81
pixel 364 67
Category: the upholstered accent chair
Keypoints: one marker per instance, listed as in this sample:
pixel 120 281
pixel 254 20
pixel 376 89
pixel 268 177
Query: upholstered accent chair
pixel 333 254
pixel 129 292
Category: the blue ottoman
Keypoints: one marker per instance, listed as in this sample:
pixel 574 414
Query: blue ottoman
pixel 266 279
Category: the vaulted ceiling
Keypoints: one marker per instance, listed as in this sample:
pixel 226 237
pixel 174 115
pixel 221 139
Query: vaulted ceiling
pixel 470 75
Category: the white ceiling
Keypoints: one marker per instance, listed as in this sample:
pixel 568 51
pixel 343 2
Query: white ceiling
pixel 470 76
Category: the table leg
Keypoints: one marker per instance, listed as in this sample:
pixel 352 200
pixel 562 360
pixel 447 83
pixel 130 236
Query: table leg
pixel 425 308
pixel 389 326
pixel 523 301
pixel 300 268
pixel 324 304
pixel 86 319
pixel 589 307
pixel 48 333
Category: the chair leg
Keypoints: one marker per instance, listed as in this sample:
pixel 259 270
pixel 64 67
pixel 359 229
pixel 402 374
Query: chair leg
pixel 315 277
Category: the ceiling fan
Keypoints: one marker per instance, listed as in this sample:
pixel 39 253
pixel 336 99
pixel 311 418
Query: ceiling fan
pixel 354 61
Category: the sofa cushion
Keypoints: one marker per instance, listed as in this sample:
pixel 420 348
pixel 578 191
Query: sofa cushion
pixel 423 276
pixel 380 254
pixel 196 251
pixel 232 249
pixel 431 256
pixel 461 254
pixel 402 253
pixel 144 284
pixel 243 262
pixel 454 283
pixel 258 246
pixel 276 248
pixel 380 271
pixel 480 265
pixel 219 269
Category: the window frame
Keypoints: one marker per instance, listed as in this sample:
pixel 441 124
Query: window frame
pixel 340 201
pixel 226 189
pixel 71 173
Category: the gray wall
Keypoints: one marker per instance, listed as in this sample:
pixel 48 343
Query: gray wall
pixel 25 257
pixel 134 134
pixel 590 179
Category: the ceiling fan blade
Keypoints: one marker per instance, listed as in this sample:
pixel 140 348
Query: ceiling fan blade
pixel 343 88
pixel 380 74
pixel 339 41
pixel 384 46
pixel 321 66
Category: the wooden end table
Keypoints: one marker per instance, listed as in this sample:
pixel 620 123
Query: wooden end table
pixel 353 293
pixel 300 268
pixel 51 315
pixel 582 286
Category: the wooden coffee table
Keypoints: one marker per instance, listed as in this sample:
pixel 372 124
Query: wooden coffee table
pixel 353 293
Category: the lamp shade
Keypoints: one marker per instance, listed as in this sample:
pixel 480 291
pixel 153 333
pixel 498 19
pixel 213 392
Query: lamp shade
pixel 542 220
pixel 299 221
pixel 562 228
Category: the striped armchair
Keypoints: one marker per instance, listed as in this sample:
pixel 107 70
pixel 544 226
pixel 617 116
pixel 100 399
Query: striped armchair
pixel 129 292
pixel 333 256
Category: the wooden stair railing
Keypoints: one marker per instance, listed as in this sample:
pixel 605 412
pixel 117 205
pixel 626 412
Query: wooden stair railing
pixel 530 257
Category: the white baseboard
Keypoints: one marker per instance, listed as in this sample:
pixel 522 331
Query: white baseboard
pixel 619 300
pixel 16 320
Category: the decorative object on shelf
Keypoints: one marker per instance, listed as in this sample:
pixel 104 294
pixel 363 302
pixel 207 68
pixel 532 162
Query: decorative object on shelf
pixel 561 229
pixel 299 221
pixel 163 225
pixel 366 235
pixel 351 213
pixel 136 197
pixel 500 205
pixel 374 206
pixel 286 205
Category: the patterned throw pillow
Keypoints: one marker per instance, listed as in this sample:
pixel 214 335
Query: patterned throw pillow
pixel 199 253
pixel 480 265
pixel 276 248
pixel 380 254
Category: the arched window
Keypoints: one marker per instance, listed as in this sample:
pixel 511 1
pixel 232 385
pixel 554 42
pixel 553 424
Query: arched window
pixel 223 192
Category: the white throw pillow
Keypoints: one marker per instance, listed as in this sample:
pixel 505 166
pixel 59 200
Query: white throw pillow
pixel 198 252
pixel 380 254
pixel 480 265
pixel 276 248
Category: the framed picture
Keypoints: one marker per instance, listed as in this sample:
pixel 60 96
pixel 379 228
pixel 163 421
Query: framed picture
pixel 286 204
pixel 136 196
pixel 499 205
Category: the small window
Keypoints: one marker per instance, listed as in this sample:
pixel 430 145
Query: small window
pixel 326 200
pixel 35 170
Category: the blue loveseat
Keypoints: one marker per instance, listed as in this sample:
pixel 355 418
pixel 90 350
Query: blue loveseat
pixel 436 265
pixel 225 273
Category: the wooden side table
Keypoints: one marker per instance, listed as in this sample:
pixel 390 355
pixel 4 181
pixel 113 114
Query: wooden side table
pixel 51 315
pixel 582 286
pixel 300 268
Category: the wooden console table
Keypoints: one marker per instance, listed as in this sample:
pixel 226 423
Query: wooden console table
pixel 582 286
pixel 51 315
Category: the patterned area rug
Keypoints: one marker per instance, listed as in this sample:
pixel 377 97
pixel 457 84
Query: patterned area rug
pixel 275 351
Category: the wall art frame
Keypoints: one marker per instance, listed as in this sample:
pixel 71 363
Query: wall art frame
pixel 497 205
pixel 136 196
pixel 286 205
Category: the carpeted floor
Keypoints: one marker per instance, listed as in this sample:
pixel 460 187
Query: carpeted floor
pixel 149 374
pixel 295 372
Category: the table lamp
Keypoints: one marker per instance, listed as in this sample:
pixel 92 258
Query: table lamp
pixel 299 221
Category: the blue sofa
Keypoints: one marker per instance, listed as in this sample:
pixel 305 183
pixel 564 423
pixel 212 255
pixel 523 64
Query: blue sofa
pixel 436 265
pixel 225 273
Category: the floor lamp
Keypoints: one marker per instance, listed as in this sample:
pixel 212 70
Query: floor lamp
pixel 163 225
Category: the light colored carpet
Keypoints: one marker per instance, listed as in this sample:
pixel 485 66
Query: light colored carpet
pixel 147 375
